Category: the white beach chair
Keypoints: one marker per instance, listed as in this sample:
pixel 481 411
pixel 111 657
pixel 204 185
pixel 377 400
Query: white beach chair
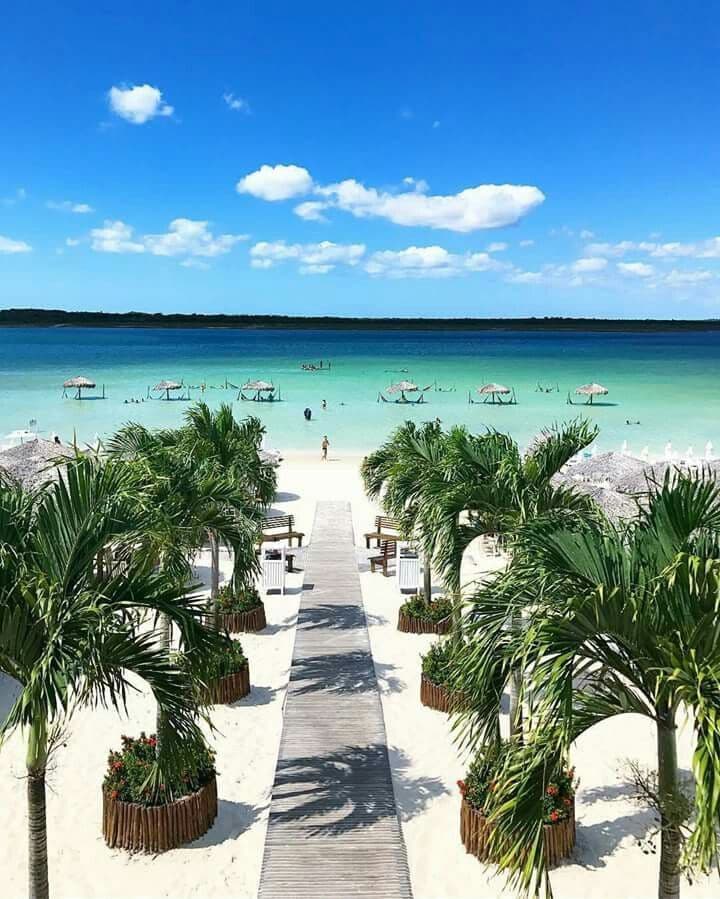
pixel 273 569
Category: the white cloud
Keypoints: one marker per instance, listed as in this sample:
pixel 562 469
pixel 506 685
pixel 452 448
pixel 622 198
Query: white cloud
pixel 636 269
pixel 496 247
pixel 276 182
pixel 315 269
pixel 114 237
pixel 13 246
pixel 427 262
pixel 311 211
pixel 184 237
pixel 677 278
pixel 69 206
pixel 586 235
pixel 520 277
pixel 472 209
pixel 239 104
pixel 589 264
pixel 194 263
pixel 527 243
pixel 138 104
pixel 72 242
pixel 313 258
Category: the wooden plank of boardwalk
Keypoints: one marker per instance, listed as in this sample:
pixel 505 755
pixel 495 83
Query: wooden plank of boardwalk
pixel 333 829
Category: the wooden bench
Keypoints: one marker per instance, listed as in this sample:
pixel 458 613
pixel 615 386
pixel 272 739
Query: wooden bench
pixel 387 552
pixel 280 527
pixel 385 529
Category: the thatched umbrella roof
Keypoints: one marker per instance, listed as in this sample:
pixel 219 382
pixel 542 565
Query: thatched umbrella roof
pixel 604 468
pixel 34 462
pixel 614 504
pixel 78 381
pixel 591 390
pixel 167 385
pixel 257 385
pixel 403 387
pixel 643 480
pixel 493 388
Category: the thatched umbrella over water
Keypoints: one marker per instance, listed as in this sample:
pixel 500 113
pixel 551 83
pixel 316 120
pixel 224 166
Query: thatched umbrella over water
pixel 494 390
pixel 34 462
pixel 78 383
pixel 591 390
pixel 403 387
pixel 258 385
pixel 167 386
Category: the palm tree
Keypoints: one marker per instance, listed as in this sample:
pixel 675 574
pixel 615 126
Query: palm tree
pixel 618 620
pixel 231 450
pixel 68 631
pixel 399 472
pixel 497 489
pixel 187 496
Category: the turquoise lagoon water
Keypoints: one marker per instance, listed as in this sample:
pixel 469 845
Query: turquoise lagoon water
pixel 669 381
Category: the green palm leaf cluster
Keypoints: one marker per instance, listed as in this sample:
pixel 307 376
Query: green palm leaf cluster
pixel 608 620
pixel 69 622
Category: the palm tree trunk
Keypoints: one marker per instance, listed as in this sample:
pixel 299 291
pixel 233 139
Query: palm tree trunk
pixel 38 886
pixel 427 578
pixel 669 881
pixel 516 712
pixel 165 644
pixel 214 578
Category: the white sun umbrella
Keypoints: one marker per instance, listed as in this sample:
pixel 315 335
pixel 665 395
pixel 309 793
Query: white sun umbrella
pixel 258 385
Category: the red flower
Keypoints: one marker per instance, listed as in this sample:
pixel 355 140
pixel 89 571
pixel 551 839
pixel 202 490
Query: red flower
pixel 462 786
pixel 553 790
pixel 114 794
pixel 116 766
pixel 554 815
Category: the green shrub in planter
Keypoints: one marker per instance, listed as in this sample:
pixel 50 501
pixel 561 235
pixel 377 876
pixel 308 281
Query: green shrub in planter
pixel 480 782
pixel 129 772
pixel 436 663
pixel 226 659
pixel 240 599
pixel 435 610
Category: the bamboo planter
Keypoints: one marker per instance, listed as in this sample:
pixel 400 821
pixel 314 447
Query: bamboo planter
pixel 435 696
pixel 409 624
pixel 230 688
pixel 475 833
pixel 157 828
pixel 242 622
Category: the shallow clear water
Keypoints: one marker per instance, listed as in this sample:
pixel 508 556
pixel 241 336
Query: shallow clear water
pixel 669 382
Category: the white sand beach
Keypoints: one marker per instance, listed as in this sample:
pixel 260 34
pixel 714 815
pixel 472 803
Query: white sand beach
pixel 425 763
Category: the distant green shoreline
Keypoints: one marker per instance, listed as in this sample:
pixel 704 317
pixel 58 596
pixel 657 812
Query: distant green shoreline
pixel 48 318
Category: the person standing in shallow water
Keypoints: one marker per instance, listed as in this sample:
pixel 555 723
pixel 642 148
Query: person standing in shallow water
pixel 325 444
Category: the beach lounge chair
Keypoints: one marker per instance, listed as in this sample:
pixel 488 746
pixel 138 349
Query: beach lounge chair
pixel 281 527
pixel 387 552
pixel 385 529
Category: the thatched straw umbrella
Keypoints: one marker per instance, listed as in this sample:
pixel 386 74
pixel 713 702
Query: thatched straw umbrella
pixel 604 468
pixel 78 383
pixel 34 462
pixel 591 390
pixel 167 386
pixel 403 387
pixel 258 386
pixel 644 480
pixel 615 505
pixel 494 391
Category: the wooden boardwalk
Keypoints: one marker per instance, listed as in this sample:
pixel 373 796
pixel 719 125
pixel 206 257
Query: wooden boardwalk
pixel 333 829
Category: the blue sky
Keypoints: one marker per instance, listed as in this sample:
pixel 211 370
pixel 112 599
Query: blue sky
pixel 408 159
